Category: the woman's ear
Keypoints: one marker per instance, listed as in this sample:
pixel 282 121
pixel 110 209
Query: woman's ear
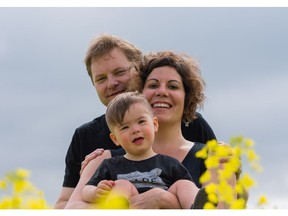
pixel 114 139
pixel 156 124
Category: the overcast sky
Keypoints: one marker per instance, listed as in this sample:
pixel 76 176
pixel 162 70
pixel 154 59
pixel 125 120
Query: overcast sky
pixel 46 93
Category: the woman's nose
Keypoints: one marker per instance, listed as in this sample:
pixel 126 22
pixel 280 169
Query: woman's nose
pixel 162 91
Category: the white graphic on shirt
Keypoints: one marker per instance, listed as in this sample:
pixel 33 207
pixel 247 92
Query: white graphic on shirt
pixel 149 179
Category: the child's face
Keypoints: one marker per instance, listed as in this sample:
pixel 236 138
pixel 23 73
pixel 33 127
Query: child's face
pixel 137 131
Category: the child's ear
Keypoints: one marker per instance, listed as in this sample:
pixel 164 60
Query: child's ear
pixel 114 139
pixel 156 124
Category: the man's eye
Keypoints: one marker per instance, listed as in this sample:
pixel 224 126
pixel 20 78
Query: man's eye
pixel 120 72
pixel 100 79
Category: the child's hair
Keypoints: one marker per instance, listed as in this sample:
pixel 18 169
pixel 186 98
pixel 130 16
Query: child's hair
pixel 117 107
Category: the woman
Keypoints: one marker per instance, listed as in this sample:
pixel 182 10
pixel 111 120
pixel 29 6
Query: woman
pixel 174 88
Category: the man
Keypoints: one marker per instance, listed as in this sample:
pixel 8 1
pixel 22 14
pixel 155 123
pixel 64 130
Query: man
pixel 111 63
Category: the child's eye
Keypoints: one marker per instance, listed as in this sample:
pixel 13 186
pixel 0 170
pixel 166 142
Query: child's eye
pixel 141 121
pixel 124 128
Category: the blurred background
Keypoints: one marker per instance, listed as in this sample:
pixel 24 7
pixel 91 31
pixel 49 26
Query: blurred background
pixel 46 92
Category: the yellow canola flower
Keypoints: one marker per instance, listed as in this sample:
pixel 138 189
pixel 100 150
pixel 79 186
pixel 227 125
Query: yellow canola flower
pixel 237 151
pixel 262 200
pixel 3 184
pixel 225 173
pixel 20 193
pixel 247 181
pixel 252 156
pixel 113 201
pixel 212 162
pixel 6 203
pixel 230 168
pixel 223 151
pixel 209 205
pixel 211 144
pixel 22 173
pixel 202 153
pixel 20 186
pixel 36 203
pixel 226 192
pixel 205 177
pixel 212 197
pixel 239 188
pixel 238 204
pixel 211 188
pixel 257 167
pixel 248 143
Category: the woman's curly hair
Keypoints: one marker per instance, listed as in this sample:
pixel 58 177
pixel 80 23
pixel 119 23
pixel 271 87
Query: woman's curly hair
pixel 189 71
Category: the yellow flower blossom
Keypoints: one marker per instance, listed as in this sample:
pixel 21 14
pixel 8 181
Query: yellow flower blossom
pixel 209 205
pixel 212 162
pixel 248 143
pixel 23 194
pixel 223 151
pixel 237 151
pixel 262 200
pixel 247 181
pixel 211 188
pixel 202 153
pixel 3 184
pixel 239 188
pixel 238 204
pixel 5 203
pixel 212 197
pixel 211 144
pixel 22 173
pixel 251 155
pixel 113 201
pixel 206 176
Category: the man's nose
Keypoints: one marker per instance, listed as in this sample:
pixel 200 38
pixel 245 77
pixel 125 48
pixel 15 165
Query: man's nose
pixel 112 82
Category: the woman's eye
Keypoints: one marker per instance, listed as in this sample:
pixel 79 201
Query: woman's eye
pixel 173 87
pixel 152 86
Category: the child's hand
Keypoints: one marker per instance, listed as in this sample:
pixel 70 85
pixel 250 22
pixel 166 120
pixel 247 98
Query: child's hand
pixel 104 187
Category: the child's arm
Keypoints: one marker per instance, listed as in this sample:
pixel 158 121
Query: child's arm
pixel 91 193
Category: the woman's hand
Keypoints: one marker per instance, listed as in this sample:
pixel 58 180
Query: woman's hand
pixel 223 160
pixel 90 157
pixel 155 198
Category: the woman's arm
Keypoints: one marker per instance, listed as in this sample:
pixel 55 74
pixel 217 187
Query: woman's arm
pixel 76 200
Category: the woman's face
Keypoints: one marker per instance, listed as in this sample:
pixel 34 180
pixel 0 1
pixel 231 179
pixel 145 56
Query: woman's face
pixel 165 92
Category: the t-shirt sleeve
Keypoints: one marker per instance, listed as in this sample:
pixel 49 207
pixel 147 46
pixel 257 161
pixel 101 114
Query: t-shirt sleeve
pixel 72 162
pixel 100 174
pixel 180 172
pixel 198 130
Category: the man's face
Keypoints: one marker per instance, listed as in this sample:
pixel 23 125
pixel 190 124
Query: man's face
pixel 111 74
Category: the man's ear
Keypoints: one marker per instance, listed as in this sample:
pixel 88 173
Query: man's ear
pixel 114 139
pixel 156 124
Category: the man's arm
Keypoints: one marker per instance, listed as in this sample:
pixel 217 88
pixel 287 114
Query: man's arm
pixel 63 198
pixel 76 200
